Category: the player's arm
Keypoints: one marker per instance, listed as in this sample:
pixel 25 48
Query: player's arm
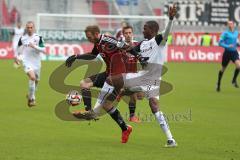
pixel 238 42
pixel 161 39
pixel 135 52
pixel 121 45
pixel 222 42
pixel 86 56
pixel 19 50
pixel 40 47
pixel 19 47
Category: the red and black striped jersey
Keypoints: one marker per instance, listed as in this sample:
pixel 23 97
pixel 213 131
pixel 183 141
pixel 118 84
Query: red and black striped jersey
pixel 131 61
pixel 111 54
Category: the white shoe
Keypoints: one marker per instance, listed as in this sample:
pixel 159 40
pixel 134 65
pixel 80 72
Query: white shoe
pixel 171 143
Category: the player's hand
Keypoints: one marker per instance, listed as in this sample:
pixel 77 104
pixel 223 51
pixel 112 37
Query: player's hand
pixel 70 60
pixel 231 46
pixel 31 45
pixel 143 61
pixel 172 11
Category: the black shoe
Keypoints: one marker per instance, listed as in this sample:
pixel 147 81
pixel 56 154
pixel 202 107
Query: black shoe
pixel 171 143
pixel 235 84
pixel 218 89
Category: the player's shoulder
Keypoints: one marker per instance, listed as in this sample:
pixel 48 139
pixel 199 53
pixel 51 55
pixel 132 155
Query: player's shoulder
pixel 107 38
pixel 146 41
pixel 25 36
pixel 37 35
pixel 135 42
pixel 226 32
pixel 143 42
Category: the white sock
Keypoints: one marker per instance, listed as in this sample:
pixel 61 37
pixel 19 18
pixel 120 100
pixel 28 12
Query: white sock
pixel 161 120
pixel 98 109
pixel 31 89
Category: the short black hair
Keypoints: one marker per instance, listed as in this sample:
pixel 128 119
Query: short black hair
pixel 153 25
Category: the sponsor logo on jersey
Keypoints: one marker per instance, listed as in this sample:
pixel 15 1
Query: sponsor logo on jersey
pixel 147 49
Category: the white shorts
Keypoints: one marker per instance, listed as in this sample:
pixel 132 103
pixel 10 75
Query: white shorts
pixel 140 82
pixel 28 67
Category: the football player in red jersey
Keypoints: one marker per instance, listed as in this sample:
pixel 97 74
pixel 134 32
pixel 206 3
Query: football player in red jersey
pixel 131 67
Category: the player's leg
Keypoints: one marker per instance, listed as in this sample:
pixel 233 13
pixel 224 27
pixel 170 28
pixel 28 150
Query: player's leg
pixel 37 75
pixel 105 102
pixel 132 108
pixel 16 62
pixel 225 61
pixel 116 116
pixel 154 105
pixel 32 88
pixel 235 59
pixel 85 86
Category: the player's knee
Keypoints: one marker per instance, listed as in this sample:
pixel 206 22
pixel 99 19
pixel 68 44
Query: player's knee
pixel 140 95
pixel 32 77
pixel 84 85
pixel 154 105
pixel 133 98
pixel 223 69
pixel 109 81
pixel 238 64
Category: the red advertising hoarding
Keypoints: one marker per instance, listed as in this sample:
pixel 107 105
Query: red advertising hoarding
pixel 186 48
pixel 194 54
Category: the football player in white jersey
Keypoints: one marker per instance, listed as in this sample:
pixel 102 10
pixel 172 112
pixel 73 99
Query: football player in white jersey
pixel 146 80
pixel 17 33
pixel 30 47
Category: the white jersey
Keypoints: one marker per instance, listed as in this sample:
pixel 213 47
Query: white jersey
pixel 155 50
pixel 30 56
pixel 18 32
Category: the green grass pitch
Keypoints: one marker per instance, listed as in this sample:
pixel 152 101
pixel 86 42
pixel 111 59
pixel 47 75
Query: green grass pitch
pixel 206 124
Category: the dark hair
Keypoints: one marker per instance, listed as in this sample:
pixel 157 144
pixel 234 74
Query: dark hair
pixel 153 25
pixel 93 29
pixel 127 27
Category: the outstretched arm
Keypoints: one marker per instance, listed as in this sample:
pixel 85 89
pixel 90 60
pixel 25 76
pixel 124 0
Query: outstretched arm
pixel 162 38
pixel 135 51
pixel 86 56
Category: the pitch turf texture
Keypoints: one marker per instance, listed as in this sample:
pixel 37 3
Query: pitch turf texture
pixel 204 123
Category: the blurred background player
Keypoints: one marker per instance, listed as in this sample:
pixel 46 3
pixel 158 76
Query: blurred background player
pixel 30 47
pixel 206 40
pixel 17 33
pixel 119 31
pixel 228 41
pixel 131 67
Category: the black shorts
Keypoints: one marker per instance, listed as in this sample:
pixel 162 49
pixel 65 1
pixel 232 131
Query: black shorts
pixel 229 55
pixel 99 79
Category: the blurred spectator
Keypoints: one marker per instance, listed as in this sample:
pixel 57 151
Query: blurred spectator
pixel 206 40
pixel 14 15
pixel 17 33
pixel 4 13
pixel 170 39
